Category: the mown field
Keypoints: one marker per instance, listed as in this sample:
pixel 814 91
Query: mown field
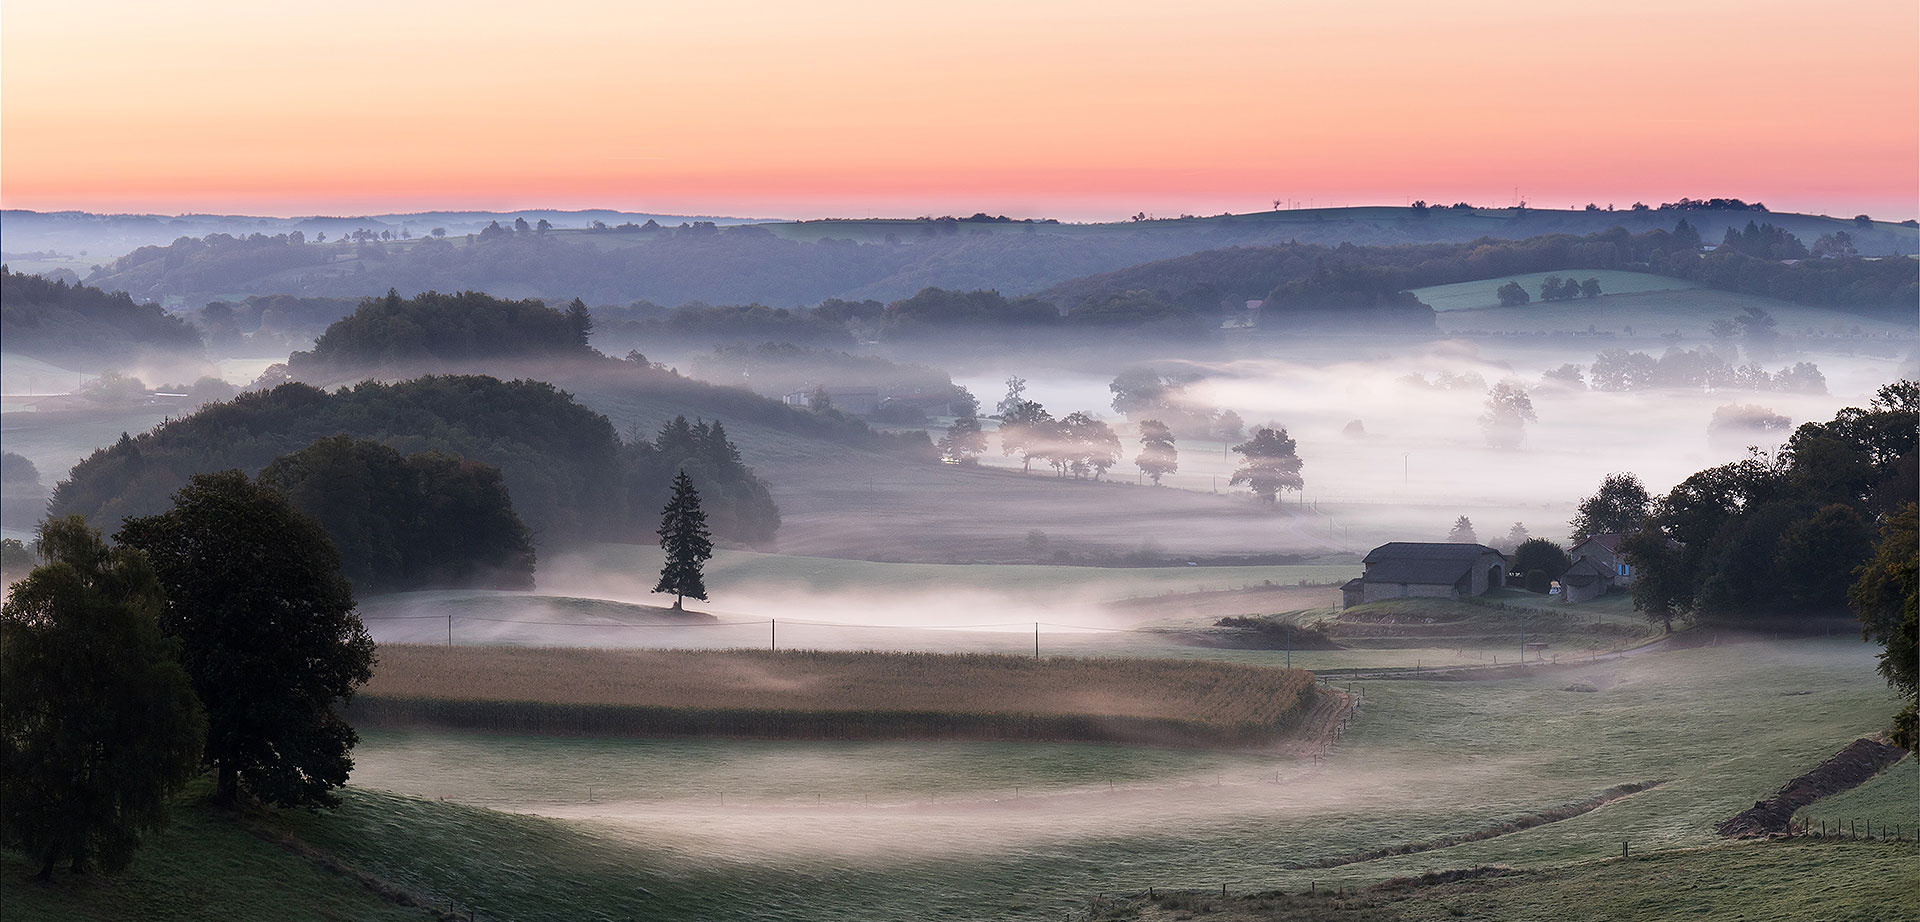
pixel 833 695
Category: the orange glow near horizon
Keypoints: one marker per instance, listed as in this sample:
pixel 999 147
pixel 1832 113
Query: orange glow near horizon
pixel 1075 109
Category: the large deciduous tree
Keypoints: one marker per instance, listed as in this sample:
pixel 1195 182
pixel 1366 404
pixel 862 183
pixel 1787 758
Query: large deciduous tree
pixel 1619 507
pixel 1886 595
pixel 268 633
pixel 1157 457
pixel 964 441
pixel 1270 464
pixel 683 535
pixel 1509 410
pixel 99 726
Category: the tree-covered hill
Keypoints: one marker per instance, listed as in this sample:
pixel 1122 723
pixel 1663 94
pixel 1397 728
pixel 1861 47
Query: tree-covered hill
pixel 788 265
pixel 569 475
pixel 61 323
pixel 434 329
pixel 1845 282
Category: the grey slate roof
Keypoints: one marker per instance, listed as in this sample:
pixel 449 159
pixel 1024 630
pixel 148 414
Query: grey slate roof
pixel 1424 563
pixel 1586 572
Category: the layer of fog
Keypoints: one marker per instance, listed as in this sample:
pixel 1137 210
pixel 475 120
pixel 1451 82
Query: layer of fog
pixel 1423 458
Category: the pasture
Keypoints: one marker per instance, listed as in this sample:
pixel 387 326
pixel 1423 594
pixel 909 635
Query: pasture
pixel 775 830
pixel 1481 293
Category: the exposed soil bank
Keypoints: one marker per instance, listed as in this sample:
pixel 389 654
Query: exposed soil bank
pixel 1848 769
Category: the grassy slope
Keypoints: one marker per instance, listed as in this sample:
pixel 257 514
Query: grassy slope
pixel 1723 726
pixel 1479 294
pixel 1690 311
pixel 1748 882
pixel 205 866
pixel 710 823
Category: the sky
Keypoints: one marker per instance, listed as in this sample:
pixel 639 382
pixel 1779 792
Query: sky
pixel 1077 109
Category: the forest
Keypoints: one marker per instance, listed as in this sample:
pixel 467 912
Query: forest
pixel 570 476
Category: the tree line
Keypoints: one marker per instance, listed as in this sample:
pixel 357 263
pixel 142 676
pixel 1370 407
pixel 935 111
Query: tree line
pixel 1819 528
pixel 570 476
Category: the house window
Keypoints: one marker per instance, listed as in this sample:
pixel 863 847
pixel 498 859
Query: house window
pixel 1623 569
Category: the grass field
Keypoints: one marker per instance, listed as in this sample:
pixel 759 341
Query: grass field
pixel 823 695
pixel 1689 312
pixel 1481 293
pixel 205 866
pixel 1745 882
pixel 1719 726
pixel 1501 619
pixel 712 829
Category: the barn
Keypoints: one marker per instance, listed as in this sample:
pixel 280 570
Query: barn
pixel 1410 569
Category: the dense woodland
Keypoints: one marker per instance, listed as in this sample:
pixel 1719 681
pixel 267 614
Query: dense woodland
pixel 427 520
pixel 433 329
pixel 568 474
pixel 58 322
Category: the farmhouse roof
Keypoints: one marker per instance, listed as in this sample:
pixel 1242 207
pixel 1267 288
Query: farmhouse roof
pixel 1424 563
pixel 1585 573
pixel 1610 541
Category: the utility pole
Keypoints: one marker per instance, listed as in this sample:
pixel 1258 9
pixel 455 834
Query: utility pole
pixel 449 630
pixel 773 634
pixel 1406 466
pixel 1036 640
pixel 1289 646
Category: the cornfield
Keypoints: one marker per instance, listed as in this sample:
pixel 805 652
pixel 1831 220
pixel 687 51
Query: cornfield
pixel 832 695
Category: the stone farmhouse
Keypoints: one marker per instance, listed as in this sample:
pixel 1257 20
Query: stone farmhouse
pixel 1410 569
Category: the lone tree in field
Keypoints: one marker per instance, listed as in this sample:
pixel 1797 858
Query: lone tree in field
pixel 1270 464
pixel 1512 295
pixel 267 632
pixel 98 723
pixel 1619 507
pixel 1509 410
pixel 683 535
pixel 1157 456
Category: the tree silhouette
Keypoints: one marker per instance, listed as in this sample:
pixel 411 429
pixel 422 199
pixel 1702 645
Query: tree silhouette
pixel 581 320
pixel 1157 457
pixel 683 535
pixel 964 441
pixel 267 631
pixel 1462 532
pixel 98 723
pixel 1270 464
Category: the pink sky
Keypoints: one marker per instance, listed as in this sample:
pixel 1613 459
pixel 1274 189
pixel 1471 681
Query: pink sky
pixel 1085 110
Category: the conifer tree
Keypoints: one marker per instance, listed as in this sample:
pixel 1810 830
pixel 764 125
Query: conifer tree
pixel 683 535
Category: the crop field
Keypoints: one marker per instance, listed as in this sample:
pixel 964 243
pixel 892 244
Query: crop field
pixel 826 695
pixel 787 830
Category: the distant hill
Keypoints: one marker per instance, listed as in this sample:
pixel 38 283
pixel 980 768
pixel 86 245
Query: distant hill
pixel 801 263
pixel 1883 286
pixel 85 327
